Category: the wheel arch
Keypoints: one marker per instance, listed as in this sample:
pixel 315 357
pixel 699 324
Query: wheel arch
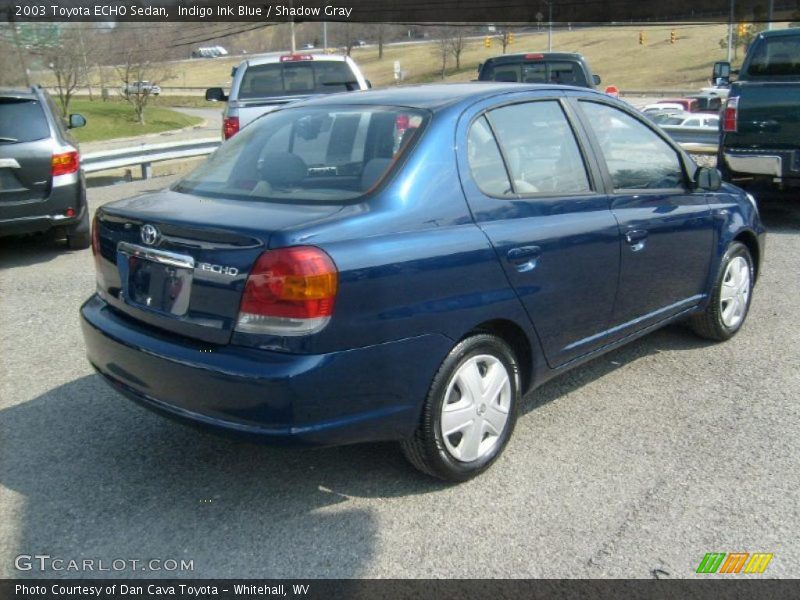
pixel 750 240
pixel 515 336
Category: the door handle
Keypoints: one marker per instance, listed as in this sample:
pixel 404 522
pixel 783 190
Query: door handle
pixel 636 238
pixel 524 258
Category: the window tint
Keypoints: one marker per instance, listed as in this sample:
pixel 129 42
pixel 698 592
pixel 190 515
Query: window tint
pixel 485 162
pixel 22 121
pixel 637 158
pixel 297 77
pixel 538 143
pixel 307 154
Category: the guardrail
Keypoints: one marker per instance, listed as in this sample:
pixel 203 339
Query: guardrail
pixel 701 140
pixel 146 154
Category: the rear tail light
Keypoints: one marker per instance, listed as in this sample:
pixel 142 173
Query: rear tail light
pixel 730 114
pixel 230 127
pixel 65 163
pixel 290 291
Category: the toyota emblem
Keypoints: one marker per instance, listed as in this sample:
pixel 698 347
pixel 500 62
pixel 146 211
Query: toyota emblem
pixel 149 234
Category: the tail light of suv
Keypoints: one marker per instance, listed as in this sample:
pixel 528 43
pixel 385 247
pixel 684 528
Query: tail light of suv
pixel 730 114
pixel 65 163
pixel 230 127
pixel 289 292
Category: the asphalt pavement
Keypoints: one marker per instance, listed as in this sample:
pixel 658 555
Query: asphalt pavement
pixel 634 465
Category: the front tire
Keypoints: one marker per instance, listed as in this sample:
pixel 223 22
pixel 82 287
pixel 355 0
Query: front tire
pixel 470 410
pixel 730 300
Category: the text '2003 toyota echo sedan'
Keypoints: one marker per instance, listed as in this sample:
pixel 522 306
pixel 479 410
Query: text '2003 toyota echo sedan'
pixel 405 264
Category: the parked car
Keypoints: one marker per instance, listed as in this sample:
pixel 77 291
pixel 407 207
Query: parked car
pixel 264 84
pixel 565 68
pixel 760 139
pixel 667 117
pixel 42 186
pixel 308 46
pixel 662 107
pixel 686 104
pixel 209 52
pixel 701 120
pixel 373 267
pixel 708 102
pixel 140 88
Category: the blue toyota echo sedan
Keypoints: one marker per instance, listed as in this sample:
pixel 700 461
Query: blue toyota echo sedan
pixel 405 264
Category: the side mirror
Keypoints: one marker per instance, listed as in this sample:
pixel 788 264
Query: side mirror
pixel 721 74
pixel 596 79
pixel 76 121
pixel 216 95
pixel 708 178
pixel 369 84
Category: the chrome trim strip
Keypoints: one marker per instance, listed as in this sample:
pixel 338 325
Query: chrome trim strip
pixel 9 163
pixel 160 256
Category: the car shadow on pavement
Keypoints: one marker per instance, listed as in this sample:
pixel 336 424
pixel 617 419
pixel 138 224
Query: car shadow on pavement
pixel 102 478
pixel 676 336
pixel 23 251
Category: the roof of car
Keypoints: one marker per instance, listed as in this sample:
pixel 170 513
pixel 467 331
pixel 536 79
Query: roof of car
pixel 274 58
pixel 8 92
pixel 434 96
pixel 780 32
pixel 544 55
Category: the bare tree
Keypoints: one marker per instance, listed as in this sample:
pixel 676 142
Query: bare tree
pixel 67 67
pixel 138 73
pixel 443 47
pixel 457 44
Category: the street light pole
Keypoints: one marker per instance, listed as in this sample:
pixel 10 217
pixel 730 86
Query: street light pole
pixel 550 26
pixel 730 33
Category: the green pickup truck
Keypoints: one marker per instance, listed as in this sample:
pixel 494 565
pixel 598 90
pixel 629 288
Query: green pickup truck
pixel 760 124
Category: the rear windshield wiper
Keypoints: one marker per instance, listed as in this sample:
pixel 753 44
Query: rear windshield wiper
pixel 8 139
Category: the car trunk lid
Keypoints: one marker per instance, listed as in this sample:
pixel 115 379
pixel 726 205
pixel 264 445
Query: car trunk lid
pixel 179 262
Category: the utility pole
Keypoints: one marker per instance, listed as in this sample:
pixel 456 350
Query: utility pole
pixel 769 13
pixel 324 35
pixel 730 33
pixel 294 42
pixel 550 26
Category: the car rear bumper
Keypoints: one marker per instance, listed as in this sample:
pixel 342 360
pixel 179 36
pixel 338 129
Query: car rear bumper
pixel 32 216
pixel 776 165
pixel 365 394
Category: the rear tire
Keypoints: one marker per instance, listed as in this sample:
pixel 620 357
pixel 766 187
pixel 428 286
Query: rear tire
pixel 730 299
pixel 470 411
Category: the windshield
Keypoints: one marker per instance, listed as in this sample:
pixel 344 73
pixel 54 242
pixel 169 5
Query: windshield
pixel 556 71
pixel 775 57
pixel 307 154
pixel 22 121
pixel 297 77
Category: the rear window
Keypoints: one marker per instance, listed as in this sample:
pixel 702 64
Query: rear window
pixel 22 121
pixel 776 57
pixel 297 77
pixel 308 154
pixel 561 72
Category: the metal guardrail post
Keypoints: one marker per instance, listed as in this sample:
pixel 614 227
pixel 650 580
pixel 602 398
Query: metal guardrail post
pixel 147 170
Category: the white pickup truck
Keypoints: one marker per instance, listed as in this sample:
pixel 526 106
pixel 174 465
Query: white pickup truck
pixel 261 85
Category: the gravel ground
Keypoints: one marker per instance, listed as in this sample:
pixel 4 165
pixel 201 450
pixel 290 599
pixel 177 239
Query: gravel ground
pixel 634 465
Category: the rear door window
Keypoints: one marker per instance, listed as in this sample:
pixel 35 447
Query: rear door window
pixel 22 121
pixel 540 148
pixel 485 160
pixel 297 77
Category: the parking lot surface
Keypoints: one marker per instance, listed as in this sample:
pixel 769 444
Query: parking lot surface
pixel 634 465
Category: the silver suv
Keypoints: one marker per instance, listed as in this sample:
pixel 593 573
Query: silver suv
pixel 263 84
pixel 42 186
